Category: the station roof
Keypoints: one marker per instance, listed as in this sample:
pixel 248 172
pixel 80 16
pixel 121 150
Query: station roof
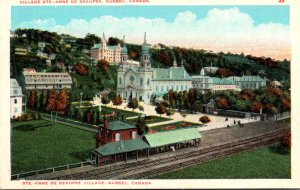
pixel 121 147
pixel 173 136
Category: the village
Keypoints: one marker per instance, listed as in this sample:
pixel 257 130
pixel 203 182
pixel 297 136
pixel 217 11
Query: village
pixel 147 111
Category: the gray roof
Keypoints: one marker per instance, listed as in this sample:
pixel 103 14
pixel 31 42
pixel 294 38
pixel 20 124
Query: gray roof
pixel 119 125
pixel 15 88
pixel 121 147
pixel 172 73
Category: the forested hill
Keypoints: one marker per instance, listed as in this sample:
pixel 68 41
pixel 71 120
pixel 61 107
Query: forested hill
pixel 71 50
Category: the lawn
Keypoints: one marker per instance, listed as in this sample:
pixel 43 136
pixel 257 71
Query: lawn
pixel 39 144
pixel 149 120
pixel 267 162
pixel 175 125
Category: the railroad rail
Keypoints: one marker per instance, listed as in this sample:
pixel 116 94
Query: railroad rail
pixel 147 168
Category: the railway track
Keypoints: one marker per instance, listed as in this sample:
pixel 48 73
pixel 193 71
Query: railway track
pixel 151 167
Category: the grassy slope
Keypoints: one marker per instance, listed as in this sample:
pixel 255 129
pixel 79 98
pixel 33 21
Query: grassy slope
pixel 266 162
pixel 38 144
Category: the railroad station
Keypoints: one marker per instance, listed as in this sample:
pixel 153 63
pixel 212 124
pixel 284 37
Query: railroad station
pixel 114 143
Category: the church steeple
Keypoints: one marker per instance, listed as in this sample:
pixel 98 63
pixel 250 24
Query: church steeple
pixel 174 62
pixel 104 42
pixel 145 55
pixel 202 72
pixel 124 55
pixel 145 38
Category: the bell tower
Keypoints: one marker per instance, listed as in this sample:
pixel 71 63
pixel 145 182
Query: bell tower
pixel 145 55
pixel 124 55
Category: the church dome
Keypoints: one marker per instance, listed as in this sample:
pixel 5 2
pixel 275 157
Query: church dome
pixel 124 50
pixel 145 47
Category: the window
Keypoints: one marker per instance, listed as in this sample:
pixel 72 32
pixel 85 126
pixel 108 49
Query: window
pixel 131 78
pixel 156 88
pixel 148 81
pixel 16 101
pixel 181 87
pixel 162 88
pixel 16 110
pixel 117 136
pixel 186 87
pixel 133 135
pixel 120 80
pixel 141 81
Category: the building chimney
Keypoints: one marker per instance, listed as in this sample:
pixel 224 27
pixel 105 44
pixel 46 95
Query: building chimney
pixel 105 122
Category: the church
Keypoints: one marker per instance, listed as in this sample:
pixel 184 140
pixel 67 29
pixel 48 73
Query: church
pixel 144 82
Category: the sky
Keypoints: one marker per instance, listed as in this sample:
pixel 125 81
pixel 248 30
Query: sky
pixel 257 30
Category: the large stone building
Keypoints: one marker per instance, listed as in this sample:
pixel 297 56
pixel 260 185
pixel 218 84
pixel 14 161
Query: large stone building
pixel 32 80
pixel 205 84
pixel 104 51
pixel 144 82
pixel 16 99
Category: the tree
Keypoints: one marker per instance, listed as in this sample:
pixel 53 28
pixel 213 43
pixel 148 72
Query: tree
pixel 89 116
pixel 257 106
pixel 62 102
pixel 133 103
pixel 44 98
pixel 105 99
pixel 170 112
pixel 103 64
pixel 141 126
pixel 32 99
pixel 223 102
pixel 286 139
pixel 81 69
pixel 117 101
pixel 113 41
pixel 161 109
pixel 92 38
pixel 286 102
pixel 51 106
pixel 38 98
pixel 270 108
pixel 223 72
pixel 204 119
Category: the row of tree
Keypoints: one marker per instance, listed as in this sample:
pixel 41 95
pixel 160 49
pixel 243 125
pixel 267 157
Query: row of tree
pixel 45 100
pixel 269 100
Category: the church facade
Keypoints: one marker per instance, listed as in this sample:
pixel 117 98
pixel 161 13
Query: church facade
pixel 144 82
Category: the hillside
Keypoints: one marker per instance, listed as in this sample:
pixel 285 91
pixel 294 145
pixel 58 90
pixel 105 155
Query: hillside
pixel 45 51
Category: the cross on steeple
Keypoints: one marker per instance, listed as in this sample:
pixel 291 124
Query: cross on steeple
pixel 145 38
pixel 124 42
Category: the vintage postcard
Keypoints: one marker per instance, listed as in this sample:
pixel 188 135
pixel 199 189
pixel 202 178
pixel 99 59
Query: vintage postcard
pixel 149 94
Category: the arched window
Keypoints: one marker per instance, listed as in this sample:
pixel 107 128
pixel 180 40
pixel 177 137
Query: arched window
pixel 141 81
pixel 148 81
pixel 120 80
pixel 117 136
pixel 133 134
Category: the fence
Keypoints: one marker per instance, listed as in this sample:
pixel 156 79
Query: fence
pixel 231 122
pixel 278 116
pixel 53 169
pixel 70 122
